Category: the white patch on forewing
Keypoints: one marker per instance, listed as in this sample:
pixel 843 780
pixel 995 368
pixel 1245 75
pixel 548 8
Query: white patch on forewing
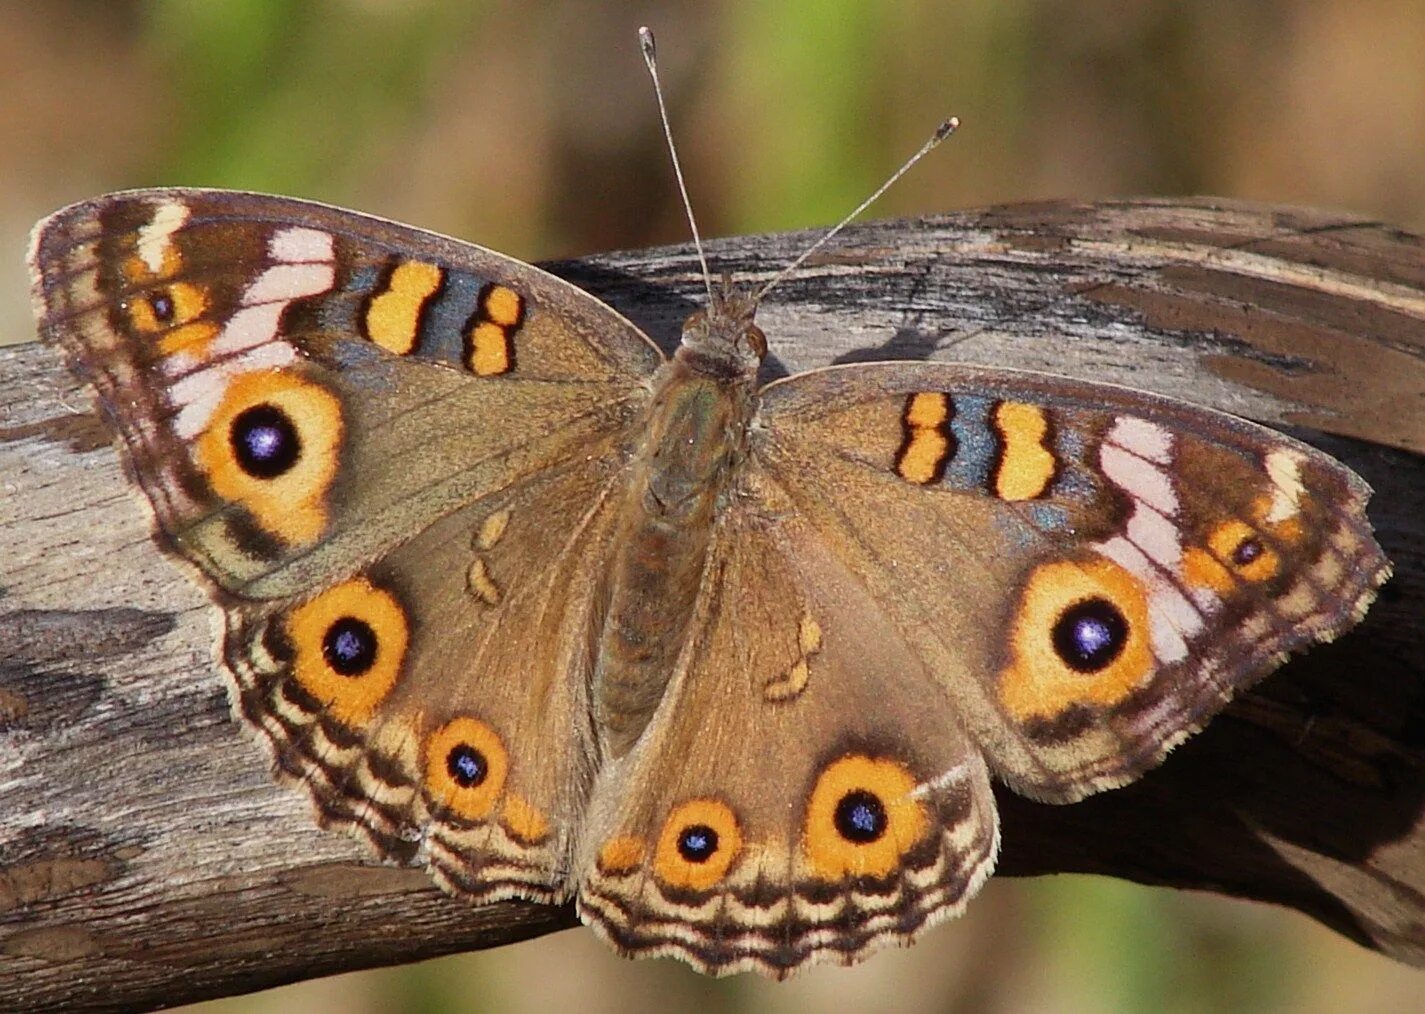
pixel 284 282
pixel 1145 439
pixel 155 237
pixel 297 275
pixel 1171 616
pixel 1156 536
pixel 1284 469
pixel 249 327
pixel 1135 458
pixel 248 340
pixel 298 245
pixel 1138 476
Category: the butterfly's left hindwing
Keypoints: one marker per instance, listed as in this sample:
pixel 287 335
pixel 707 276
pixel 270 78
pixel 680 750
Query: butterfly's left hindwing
pixel 1091 572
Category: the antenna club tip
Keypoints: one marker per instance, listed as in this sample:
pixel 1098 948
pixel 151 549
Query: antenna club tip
pixel 947 128
pixel 645 39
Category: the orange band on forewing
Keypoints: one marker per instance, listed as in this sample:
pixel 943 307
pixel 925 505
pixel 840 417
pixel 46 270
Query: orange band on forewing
pixel 1026 465
pixel 489 350
pixel 393 317
pixel 503 306
pixel 924 447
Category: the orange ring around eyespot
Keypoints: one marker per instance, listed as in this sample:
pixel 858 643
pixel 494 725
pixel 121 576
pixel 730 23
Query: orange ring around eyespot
pixel 1228 537
pixel 469 802
pixel 290 506
pixel 832 856
pixel 1037 683
pixel 673 868
pixel 349 699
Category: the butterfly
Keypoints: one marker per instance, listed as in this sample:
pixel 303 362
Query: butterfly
pixel 527 603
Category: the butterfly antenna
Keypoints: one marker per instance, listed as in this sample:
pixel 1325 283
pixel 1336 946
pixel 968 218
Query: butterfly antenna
pixel 650 57
pixel 941 133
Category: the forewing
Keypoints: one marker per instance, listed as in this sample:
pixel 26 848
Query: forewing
pixel 299 387
pixel 1089 572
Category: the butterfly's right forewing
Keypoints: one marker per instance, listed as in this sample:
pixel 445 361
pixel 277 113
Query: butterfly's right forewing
pixel 1091 572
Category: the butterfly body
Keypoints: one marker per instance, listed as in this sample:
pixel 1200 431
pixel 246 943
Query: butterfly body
pixel 694 444
pixel 530 605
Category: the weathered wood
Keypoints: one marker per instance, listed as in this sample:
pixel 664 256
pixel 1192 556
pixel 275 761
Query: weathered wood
pixel 147 858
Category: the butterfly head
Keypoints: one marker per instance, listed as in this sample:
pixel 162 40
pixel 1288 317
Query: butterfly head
pixel 724 337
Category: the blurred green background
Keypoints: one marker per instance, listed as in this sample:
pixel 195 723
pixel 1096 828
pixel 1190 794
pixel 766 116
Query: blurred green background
pixel 529 127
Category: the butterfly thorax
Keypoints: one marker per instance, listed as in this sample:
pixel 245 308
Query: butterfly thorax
pixel 694 440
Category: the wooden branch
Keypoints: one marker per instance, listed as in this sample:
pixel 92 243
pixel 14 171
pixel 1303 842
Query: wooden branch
pixel 147 858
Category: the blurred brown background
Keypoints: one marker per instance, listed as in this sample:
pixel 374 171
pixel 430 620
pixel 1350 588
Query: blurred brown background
pixel 529 127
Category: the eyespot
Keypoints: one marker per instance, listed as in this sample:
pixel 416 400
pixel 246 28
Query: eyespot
pixel 348 644
pixel 264 441
pixel 699 841
pixel 1089 635
pixel 272 447
pixel 466 764
pixel 1079 635
pixel 861 818
pixel 1247 551
pixel 1236 554
pixel 161 304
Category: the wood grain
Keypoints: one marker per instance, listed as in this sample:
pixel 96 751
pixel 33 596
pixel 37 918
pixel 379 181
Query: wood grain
pixel 148 859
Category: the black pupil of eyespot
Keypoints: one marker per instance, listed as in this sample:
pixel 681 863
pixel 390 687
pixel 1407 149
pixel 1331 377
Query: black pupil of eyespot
pixel 860 817
pixel 1247 550
pixel 264 441
pixel 162 305
pixel 349 646
pixel 697 843
pixel 467 766
pixel 1089 635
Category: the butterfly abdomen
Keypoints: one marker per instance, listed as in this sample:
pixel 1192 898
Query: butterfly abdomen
pixel 696 428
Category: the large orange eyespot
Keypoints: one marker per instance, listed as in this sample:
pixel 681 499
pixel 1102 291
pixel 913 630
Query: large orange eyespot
pixel 699 842
pixel 862 818
pixel 1079 636
pixel 272 447
pixel 466 764
pixel 348 644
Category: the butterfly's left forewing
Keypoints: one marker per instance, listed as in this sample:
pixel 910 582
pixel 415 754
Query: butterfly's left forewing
pixel 298 386
pixel 1090 572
